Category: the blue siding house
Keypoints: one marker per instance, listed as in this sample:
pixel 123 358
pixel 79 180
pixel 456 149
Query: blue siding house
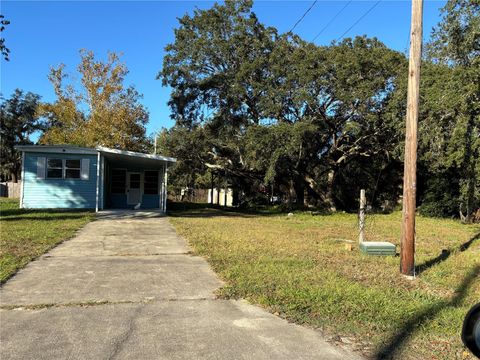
pixel 63 176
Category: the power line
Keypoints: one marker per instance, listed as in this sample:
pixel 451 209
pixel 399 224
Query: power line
pixel 359 19
pixel 331 21
pixel 306 12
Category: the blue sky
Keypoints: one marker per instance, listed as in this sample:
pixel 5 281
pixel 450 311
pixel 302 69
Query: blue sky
pixel 42 34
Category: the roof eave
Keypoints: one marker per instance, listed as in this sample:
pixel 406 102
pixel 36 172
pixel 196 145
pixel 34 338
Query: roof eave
pixel 135 154
pixel 56 149
pixel 90 151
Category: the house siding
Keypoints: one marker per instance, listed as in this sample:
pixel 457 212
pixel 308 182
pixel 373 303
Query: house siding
pixel 150 201
pixel 58 193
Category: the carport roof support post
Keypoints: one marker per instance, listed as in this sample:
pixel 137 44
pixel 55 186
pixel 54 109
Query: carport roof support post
pixel 165 191
pixel 98 182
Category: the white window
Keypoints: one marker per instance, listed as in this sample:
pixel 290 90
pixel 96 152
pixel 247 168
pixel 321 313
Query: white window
pixel 63 168
pixel 54 168
pixel 72 169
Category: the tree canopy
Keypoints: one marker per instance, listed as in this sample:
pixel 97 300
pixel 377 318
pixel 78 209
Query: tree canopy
pixel 4 50
pixel 262 110
pixel 18 120
pixel 450 140
pixel 101 110
pixel 276 110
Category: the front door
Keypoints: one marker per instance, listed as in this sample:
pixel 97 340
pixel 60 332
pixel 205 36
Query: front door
pixel 134 190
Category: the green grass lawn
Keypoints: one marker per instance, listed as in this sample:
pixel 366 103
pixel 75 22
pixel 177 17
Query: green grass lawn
pixel 300 269
pixel 27 234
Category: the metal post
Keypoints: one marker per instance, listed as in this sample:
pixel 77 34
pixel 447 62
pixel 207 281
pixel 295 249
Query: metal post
pixel 102 184
pixel 22 179
pixel 165 192
pixel 361 223
pixel 160 190
pixel 98 182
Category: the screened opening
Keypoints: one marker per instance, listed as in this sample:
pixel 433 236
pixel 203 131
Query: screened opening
pixel 54 168
pixel 118 183
pixel 72 169
pixel 151 182
pixel 134 181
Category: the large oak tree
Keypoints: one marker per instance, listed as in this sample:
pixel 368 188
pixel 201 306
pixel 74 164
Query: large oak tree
pixel 273 108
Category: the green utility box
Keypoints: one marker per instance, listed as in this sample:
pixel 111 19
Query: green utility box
pixel 378 248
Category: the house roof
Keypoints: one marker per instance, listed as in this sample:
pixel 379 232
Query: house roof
pixel 109 153
pixel 135 154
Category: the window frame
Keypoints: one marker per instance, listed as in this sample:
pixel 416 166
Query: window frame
pixel 79 168
pixel 63 168
pixel 47 167
pixel 145 182
pixel 124 183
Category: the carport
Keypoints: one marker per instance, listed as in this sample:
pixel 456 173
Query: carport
pixel 132 180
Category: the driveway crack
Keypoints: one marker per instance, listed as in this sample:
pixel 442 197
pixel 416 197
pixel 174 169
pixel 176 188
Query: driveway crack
pixel 120 343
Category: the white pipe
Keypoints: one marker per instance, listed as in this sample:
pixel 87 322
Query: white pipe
pixel 22 179
pixel 361 225
pixel 98 181
pixel 160 190
pixel 102 184
pixel 165 191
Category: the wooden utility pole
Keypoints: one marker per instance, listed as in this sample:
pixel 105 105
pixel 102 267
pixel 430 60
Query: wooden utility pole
pixel 407 256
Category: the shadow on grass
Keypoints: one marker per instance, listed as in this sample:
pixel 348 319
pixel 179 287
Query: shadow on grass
pixel 445 255
pixel 206 213
pixel 202 210
pixel 193 210
pixel 393 345
pixel 42 214
pixel 12 212
pixel 44 218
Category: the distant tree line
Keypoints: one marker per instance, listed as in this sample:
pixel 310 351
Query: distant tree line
pixel 271 114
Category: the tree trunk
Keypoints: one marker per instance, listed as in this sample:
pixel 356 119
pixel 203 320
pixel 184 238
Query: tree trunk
pixel 470 172
pixel 14 177
pixel 312 197
pixel 300 192
pixel 313 192
pixel 291 193
pixel 470 193
pixel 330 181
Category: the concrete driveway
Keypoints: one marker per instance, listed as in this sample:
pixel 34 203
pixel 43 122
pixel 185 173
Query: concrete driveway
pixel 127 287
